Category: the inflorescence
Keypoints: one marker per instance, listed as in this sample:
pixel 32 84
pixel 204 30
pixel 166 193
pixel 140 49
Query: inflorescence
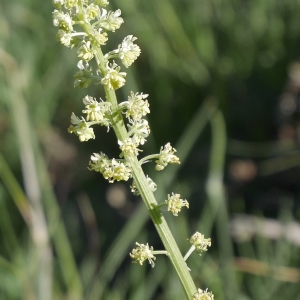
pixel 84 25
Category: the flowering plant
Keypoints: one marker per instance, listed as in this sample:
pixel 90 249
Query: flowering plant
pixel 127 120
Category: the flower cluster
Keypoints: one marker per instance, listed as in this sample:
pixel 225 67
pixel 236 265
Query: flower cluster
pixel 97 113
pixel 128 52
pixel 113 79
pixel 142 253
pixel 199 242
pixel 128 147
pixel 95 21
pixel 175 204
pixel 203 295
pixel 81 128
pixel 136 106
pixel 139 130
pixel 110 169
pixel 166 156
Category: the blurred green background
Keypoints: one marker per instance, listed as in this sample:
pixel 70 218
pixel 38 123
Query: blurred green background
pixel 224 79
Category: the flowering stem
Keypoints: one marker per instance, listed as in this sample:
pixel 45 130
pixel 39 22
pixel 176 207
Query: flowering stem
pixel 144 189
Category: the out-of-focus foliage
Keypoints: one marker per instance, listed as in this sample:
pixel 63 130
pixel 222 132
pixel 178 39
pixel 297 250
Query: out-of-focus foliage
pixel 242 54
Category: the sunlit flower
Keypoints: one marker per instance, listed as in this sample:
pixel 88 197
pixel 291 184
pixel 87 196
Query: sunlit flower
pixel 166 156
pixel 114 79
pixel 110 20
pixel 139 130
pixel 203 295
pixel 96 111
pixel 200 243
pixel 128 147
pixel 81 128
pixel 142 253
pixel 136 106
pixel 128 51
pixel 63 21
pixel 85 52
pixel 175 204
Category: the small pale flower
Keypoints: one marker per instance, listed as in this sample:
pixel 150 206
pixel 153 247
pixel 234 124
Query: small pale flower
pixel 81 128
pixel 128 51
pixel 200 243
pixel 166 156
pixel 120 171
pixel 110 21
pixel 136 106
pixel 114 79
pixel 98 38
pixel 203 295
pixel 128 147
pixel 64 38
pixel 111 169
pixel 85 52
pixel 142 253
pixel 96 111
pixel 139 130
pixel 83 76
pixel 70 3
pixel 175 204
pixel 151 183
pixel 91 12
pixel 99 162
pixel 63 21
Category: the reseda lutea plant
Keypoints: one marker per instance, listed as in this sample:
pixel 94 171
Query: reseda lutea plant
pixel 84 25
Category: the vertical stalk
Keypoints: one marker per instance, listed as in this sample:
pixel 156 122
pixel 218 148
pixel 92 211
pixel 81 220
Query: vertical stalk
pixel 144 189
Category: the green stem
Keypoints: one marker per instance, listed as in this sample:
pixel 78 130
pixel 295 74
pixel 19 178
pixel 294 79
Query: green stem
pixel 142 185
pixel 149 157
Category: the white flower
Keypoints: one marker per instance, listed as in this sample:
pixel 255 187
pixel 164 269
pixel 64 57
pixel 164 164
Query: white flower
pixel 128 147
pixel 85 52
pixel 128 51
pixel 142 253
pixel 114 79
pixel 136 106
pixel 166 156
pixel 110 21
pixel 63 21
pixel 203 295
pixel 200 243
pixel 96 111
pixel 81 128
pixel 91 12
pixel 139 130
pixel 175 204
